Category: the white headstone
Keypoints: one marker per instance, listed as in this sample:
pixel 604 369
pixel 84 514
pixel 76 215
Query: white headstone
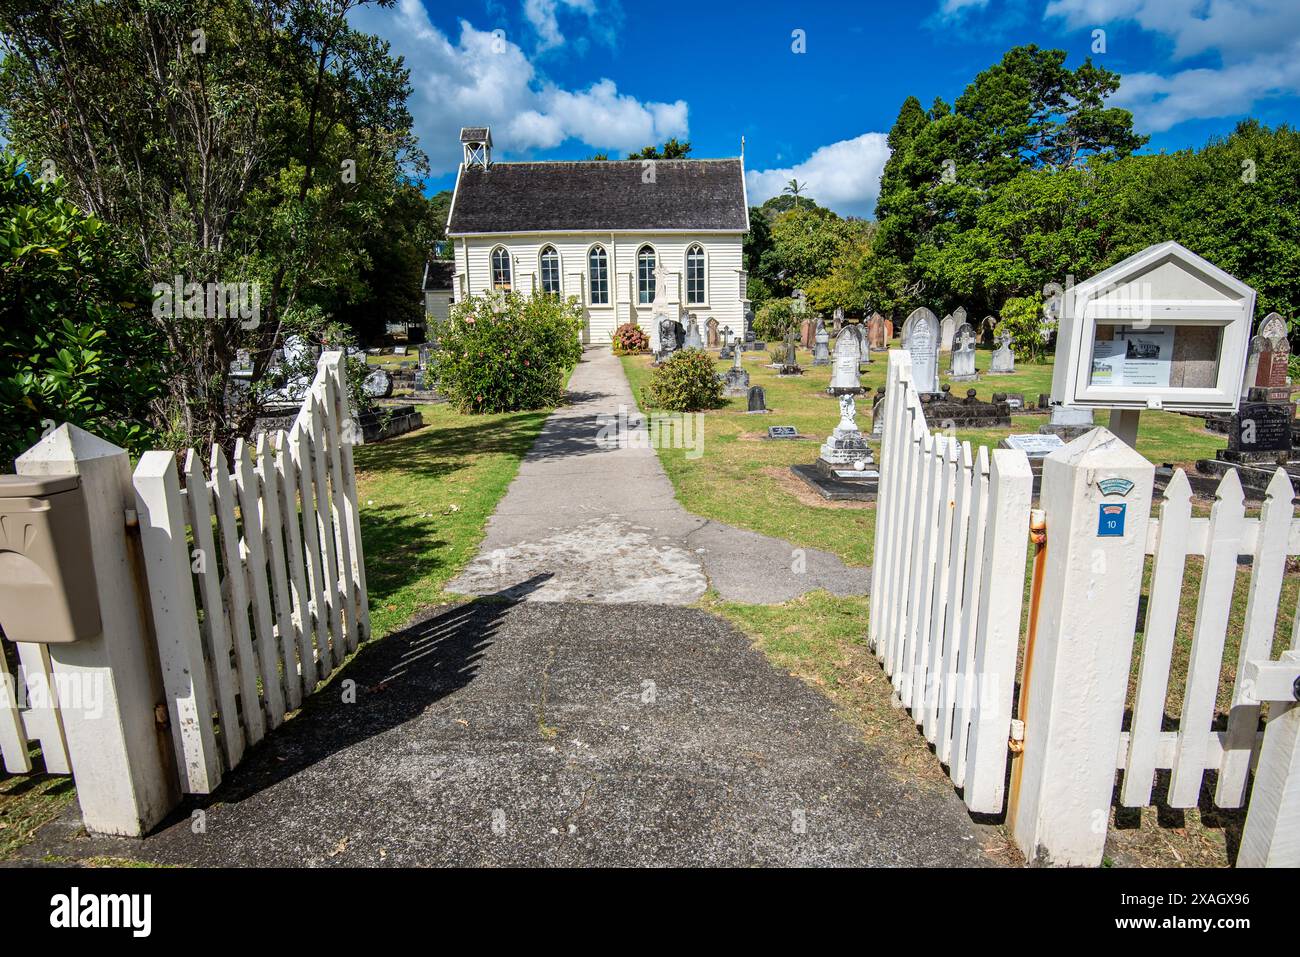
pixel 963 353
pixel 1004 360
pixel 923 343
pixel 947 330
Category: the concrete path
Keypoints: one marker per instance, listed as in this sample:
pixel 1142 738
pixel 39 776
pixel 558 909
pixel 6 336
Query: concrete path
pixel 501 733
pixel 592 509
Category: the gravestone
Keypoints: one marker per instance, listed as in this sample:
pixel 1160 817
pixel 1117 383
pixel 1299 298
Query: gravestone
pixel 959 316
pixel 1068 421
pixel 1015 401
pixel 1274 354
pixel 821 345
pixel 806 332
pixel 876 339
pixel 693 340
pixel 889 332
pixel 844 372
pixel 757 401
pixel 909 324
pixel 791 364
pixel 878 412
pixel 671 337
pixel 783 432
pixel 711 336
pixel 923 343
pixel 1260 430
pixel 845 468
pixel 947 331
pixel 1004 360
pixel 726 350
pixel 838 319
pixel 736 381
pixel 378 384
pixel 961 367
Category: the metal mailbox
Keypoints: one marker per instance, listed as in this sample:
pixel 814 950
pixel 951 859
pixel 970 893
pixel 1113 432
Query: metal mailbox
pixel 47 575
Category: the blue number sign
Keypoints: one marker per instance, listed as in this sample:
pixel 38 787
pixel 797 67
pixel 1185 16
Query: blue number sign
pixel 1110 520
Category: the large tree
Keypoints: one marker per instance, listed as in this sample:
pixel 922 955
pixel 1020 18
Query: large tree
pixel 258 141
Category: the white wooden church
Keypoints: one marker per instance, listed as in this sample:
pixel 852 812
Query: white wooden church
pixel 630 239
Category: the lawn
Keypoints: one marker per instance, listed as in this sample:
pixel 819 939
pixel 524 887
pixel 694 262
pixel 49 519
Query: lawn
pixel 743 479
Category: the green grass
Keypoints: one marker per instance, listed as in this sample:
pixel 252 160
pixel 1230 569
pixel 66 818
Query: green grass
pixel 425 500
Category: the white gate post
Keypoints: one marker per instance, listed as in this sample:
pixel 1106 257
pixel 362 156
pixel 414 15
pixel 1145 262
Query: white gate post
pixel 121 756
pixel 1077 667
pixel 1271 837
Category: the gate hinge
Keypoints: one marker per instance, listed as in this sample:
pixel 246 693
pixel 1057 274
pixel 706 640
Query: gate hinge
pixel 1016 742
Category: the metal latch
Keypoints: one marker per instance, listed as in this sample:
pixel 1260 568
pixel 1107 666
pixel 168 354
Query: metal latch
pixel 1016 741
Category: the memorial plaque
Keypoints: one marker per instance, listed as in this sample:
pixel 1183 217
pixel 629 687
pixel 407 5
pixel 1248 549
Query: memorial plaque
pixel 782 432
pixel 1034 445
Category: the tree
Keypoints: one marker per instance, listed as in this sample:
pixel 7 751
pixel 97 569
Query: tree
pixel 794 188
pixel 672 149
pixel 76 340
pixel 804 244
pixel 257 141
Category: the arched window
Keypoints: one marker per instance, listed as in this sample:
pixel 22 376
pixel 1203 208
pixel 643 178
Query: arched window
pixel 645 275
pixel 500 268
pixel 598 275
pixel 550 261
pixel 695 285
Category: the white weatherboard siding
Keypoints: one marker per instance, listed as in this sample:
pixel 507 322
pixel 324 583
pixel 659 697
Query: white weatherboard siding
pixel 723 265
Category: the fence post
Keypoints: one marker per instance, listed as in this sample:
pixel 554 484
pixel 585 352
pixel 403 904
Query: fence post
pixel 121 755
pixel 1077 662
pixel 1271 837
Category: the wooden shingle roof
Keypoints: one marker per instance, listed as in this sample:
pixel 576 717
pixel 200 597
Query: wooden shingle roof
pixel 703 195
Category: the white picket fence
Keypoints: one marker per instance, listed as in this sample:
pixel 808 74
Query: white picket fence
pixel 947 597
pixel 256 592
pixel 947 585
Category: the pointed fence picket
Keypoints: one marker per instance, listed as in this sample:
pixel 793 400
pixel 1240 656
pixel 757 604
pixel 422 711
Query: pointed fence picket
pixel 952 520
pixel 1220 540
pixel 272 550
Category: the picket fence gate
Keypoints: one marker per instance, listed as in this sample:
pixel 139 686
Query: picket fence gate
pixel 945 611
pixel 948 586
pixel 253 591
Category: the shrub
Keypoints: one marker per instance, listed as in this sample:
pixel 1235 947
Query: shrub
pixel 506 352
pixel 1022 317
pixel 629 340
pixel 687 382
pixel 773 320
pixel 77 342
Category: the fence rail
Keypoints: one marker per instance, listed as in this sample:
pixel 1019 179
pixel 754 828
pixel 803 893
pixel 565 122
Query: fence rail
pixel 945 614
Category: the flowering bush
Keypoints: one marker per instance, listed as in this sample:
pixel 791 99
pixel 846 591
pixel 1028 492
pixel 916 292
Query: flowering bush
pixel 687 382
pixel 630 339
pixel 505 352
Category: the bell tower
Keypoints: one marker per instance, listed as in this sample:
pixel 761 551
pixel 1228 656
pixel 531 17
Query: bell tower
pixel 477 143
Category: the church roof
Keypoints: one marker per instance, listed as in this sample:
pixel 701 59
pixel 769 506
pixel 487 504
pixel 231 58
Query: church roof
pixel 686 195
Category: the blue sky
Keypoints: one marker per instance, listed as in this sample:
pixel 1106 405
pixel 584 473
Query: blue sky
pixel 561 79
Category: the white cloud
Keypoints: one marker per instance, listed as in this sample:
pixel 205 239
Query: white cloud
pixel 1256 42
pixel 843 176
pixel 486 79
pixel 1234 28
pixel 543 16
pixel 956 9
pixel 1160 102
